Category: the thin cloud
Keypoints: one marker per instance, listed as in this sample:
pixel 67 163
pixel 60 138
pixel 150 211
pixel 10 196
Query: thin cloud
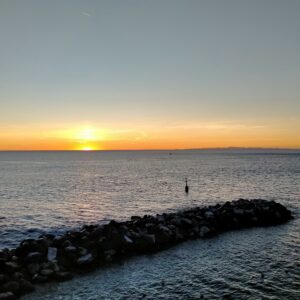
pixel 86 14
pixel 217 125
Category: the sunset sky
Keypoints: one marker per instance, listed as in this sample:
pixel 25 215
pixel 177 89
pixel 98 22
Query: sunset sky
pixel 93 75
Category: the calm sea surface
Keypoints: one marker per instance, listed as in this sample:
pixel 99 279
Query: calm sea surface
pixel 55 191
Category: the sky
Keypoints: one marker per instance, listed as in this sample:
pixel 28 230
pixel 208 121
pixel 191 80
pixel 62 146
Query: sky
pixel 156 74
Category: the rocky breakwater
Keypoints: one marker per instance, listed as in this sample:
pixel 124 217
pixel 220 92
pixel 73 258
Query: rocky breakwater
pixel 58 258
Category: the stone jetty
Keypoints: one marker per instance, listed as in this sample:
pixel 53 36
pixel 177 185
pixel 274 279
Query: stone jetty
pixel 59 258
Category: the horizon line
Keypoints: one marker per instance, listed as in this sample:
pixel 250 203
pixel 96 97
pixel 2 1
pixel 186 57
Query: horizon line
pixel 158 149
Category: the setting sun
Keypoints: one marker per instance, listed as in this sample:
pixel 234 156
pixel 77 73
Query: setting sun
pixel 83 138
pixel 87 149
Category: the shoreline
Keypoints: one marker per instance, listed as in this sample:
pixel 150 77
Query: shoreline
pixel 59 258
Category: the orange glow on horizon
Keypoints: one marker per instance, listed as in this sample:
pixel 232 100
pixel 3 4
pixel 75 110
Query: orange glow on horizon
pixel 186 136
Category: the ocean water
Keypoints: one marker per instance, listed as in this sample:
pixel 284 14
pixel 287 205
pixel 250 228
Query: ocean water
pixel 55 191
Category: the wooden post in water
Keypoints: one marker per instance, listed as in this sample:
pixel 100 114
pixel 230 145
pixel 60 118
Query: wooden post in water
pixel 186 186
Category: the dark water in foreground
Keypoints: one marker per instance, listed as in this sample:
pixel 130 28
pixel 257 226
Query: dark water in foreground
pixel 53 191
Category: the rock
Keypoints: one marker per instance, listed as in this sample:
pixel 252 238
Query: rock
pixel 70 249
pixel 7 296
pixel 204 230
pixel 85 260
pixel 149 225
pixel 238 211
pixel 52 253
pixel 47 272
pixel 108 258
pixel 165 228
pixel 128 239
pixel 47 236
pixel 63 276
pixel 58 241
pixel 145 243
pixel 186 222
pixel 82 251
pixel 18 275
pixel 171 227
pixel 11 286
pixel 11 267
pixel 33 268
pixel 54 266
pixel 3 278
pixel 160 218
pixel 48 265
pixel 110 252
pixel 66 243
pixel 149 238
pixel 115 241
pixel 67 261
pixel 33 257
pixel 178 235
pixel 37 278
pixel 209 214
pixel 163 237
pixel 30 246
pixel 249 211
pixel 2 262
pixel 176 221
pixel 25 286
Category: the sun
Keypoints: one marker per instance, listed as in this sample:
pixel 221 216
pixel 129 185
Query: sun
pixel 87 149
pixel 85 138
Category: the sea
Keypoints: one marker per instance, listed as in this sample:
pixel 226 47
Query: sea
pixel 55 191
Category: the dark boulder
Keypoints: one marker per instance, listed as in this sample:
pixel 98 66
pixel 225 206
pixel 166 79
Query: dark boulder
pixel 3 278
pixel 11 267
pixel 11 286
pixel 7 296
pixel 85 261
pixel 34 257
pixel 63 276
pixel 25 286
pixel 38 278
pixel 33 268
